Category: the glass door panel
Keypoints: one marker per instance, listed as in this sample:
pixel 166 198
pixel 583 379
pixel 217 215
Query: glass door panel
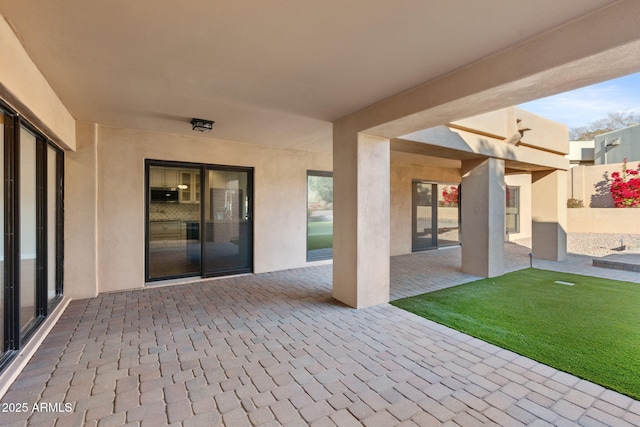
pixel 52 222
pixel 228 225
pixel 513 209
pixel 448 221
pixel 436 215
pixel 28 227
pixel 174 248
pixel 423 217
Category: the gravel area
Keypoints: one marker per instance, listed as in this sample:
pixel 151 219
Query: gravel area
pixel 594 244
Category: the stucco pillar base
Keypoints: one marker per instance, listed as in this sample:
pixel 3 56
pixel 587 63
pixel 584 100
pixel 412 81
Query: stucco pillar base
pixel 549 215
pixel 483 213
pixel 361 242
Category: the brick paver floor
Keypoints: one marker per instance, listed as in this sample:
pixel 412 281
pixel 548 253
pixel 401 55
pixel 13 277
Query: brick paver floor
pixel 276 349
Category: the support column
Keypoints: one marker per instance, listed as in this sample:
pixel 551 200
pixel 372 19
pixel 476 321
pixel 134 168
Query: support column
pixel 361 228
pixel 483 216
pixel 549 215
pixel 81 215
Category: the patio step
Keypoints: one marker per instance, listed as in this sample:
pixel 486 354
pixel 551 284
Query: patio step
pixel 626 262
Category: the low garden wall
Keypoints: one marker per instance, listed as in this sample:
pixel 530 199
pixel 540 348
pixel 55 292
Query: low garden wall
pixel 603 220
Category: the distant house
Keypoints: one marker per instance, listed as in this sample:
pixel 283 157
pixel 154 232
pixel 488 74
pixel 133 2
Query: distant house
pixel 607 148
pixel 581 153
pixel 614 147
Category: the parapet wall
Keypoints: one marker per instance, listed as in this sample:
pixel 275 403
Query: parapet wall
pixel 603 220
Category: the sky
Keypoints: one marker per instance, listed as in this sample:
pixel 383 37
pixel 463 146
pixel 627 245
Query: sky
pixel 582 106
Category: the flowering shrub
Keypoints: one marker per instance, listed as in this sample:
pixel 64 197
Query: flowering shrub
pixel 450 196
pixel 625 187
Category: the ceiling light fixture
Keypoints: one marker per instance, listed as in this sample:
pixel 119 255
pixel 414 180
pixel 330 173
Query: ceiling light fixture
pixel 202 125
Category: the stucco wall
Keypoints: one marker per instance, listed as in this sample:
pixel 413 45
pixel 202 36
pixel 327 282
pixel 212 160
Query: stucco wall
pixel 279 189
pixel 543 134
pixel 602 220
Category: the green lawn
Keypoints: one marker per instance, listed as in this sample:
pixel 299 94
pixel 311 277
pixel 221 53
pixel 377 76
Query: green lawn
pixel 320 235
pixel 591 329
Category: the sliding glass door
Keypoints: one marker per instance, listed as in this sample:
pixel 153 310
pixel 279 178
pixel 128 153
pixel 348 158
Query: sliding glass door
pixel 435 215
pixel 198 220
pixel 228 225
pixel 32 240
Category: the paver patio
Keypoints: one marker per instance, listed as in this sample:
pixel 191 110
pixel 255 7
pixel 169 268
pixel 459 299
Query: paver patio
pixel 276 349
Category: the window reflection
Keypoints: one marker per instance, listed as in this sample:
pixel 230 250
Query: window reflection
pixel 174 221
pixel 512 205
pixel 27 229
pixel 319 216
pixel 52 247
pixel 436 215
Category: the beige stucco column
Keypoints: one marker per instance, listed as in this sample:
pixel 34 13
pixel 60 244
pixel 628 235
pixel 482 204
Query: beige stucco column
pixel 549 215
pixel 483 212
pixel 361 248
pixel 81 215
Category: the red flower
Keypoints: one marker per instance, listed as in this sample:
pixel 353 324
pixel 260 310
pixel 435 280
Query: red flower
pixel 625 188
pixel 450 196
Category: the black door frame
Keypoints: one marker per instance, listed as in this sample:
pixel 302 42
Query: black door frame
pixel 203 167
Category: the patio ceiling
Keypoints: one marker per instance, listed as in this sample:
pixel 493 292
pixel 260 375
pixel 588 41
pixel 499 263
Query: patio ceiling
pixel 276 73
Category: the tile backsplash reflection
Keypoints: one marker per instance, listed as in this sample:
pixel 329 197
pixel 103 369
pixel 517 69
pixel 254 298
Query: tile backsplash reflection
pixel 174 211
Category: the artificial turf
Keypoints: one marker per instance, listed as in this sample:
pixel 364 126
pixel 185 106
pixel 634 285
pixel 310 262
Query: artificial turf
pixel 590 329
pixel 320 235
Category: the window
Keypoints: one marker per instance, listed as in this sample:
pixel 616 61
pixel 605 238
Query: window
pixel 32 230
pixel 512 205
pixel 319 215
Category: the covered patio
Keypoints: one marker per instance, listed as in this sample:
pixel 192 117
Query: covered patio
pixel 277 349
